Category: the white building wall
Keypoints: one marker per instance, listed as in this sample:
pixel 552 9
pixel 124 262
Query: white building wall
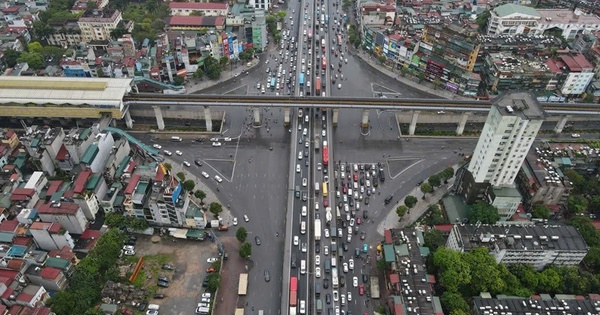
pixel 577 82
pixel 75 224
pixel 507 206
pixel 105 143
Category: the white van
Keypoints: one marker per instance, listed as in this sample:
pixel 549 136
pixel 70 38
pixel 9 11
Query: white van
pixel 303 227
pixel 153 307
pixel 303 266
pixel 176 139
pixel 333 262
pixel 302 307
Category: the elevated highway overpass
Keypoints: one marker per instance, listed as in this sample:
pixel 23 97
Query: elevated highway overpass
pixel 50 97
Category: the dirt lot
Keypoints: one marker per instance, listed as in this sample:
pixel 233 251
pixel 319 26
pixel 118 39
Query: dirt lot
pixel 189 258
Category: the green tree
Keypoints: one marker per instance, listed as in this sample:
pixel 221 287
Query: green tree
pixel 33 59
pixel 452 302
pixel 138 224
pixel 434 215
pixel 178 80
pixel 168 166
pixel 526 275
pixel 188 185
pixel 245 250
pixel 433 239
pixel 549 281
pixel 435 180
pixel 436 83
pixel 199 73
pixel 579 182
pixel 589 98
pixel 241 234
pixel 421 76
pixel 592 259
pixel 212 69
pixel 447 173
pixel 382 59
pixel 116 220
pixel 382 264
pixel 485 277
pixel 34 47
pixel 482 20
pixel 410 201
pixel 458 312
pixel 589 233
pixel 223 62
pixel 594 204
pixel 200 194
pixel 576 204
pixel 118 33
pixel 10 57
pixel 454 271
pixel 404 71
pixel 484 213
pixel 541 211
pixel 401 211
pixel 100 73
pixel 216 208
pixel 426 188
pixel 181 176
pixel 214 281
pixel 94 311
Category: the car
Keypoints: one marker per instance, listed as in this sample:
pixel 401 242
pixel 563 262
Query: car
pixel 210 270
pixel 361 289
pixel 365 248
pixel 351 264
pixel 205 175
pixel 246 218
pixel 126 311
pixel 304 211
pixel 206 295
pixel 227 139
pixel 358 221
pixel 328 296
pixel 267 276
pixel 216 144
pixel 339 85
pixel 363 235
pixel 365 278
pixel 198 162
pixel 212 260
pixel 296 240
pixel 167 152
pixel 340 232
pixel 318 166
pixel 318 272
pixel 326 232
pixel 304 247
pixel 167 267
pixel 179 153
pixel 218 179
pixel 345 267
pixel 257 240
pixel 349 296
pixel 343 299
pixel 157 146
pixel 128 247
pixel 325 250
pixel 306 145
pixel 187 164
pixel 352 220
pixel 129 252
pixel 336 296
pixel 346 60
pixel 205 282
pixel 297 168
pixel 304 182
pixel 575 135
pixel 235 221
pixel 365 214
pixel 355 281
pixel 162 284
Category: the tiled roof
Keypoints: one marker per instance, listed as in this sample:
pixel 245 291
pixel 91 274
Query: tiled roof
pixel 196 20
pixel 9 225
pixel 198 5
pixel 80 181
pixel 59 208
pixel 49 273
pixel 62 153
pixel 132 183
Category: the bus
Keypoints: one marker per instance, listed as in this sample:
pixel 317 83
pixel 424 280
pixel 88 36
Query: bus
pixel 243 284
pixel 318 86
pixel 273 82
pixel 293 291
pixel 325 192
pixel 301 79
pixel 339 40
pixel 327 19
pixel 325 155
pixel 322 19
pixel 334 277
pixel 324 63
pixel 374 281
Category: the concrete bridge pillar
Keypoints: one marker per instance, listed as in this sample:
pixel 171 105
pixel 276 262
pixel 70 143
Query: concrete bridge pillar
pixel 128 120
pixel 208 118
pixel 336 112
pixel 560 125
pixel 461 124
pixel 286 117
pixel 256 112
pixel 365 119
pixel 413 123
pixel 159 118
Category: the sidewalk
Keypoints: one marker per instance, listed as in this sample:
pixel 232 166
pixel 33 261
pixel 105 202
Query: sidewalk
pixel 194 85
pixel 391 220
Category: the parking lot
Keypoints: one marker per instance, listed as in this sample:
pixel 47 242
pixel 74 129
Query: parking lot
pixel 185 283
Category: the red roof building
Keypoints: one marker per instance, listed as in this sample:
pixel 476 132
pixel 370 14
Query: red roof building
pixel 80 181
pixel 132 184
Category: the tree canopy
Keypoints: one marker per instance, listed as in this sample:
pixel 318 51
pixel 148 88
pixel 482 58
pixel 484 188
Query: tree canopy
pixel 484 213
pixel 410 201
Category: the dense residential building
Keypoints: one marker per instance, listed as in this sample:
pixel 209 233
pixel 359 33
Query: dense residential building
pixel 509 131
pixel 505 71
pixel 68 214
pixel 265 5
pixel 574 74
pixel 199 8
pixel 540 183
pixel 456 44
pixel 536 245
pixel 513 19
pixel 96 25
pixel 195 23
pixel 538 304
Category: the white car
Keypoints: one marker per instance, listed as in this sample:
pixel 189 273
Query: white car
pixel 187 164
pixel 318 166
pixel 300 155
pixel 345 267
pixel 304 247
pixel 227 139
pixel 246 218
pixel 318 272
pixel 339 85
pixel 304 182
pixel 304 211
pixel 167 152
pixel 325 250
pixel 157 146
pixel 297 168
pixel 179 153
pixel 352 222
pixel 211 260
pixel 205 175
pixel 355 282
pixel 296 240
pixel 234 221
pixel 349 295
pixel 217 144
pixel 323 133
pixel 306 144
pixel 336 295
pixel 218 178
pixel 317 260
pixel 214 139
pixel 326 232
pixel 575 135
pixel 351 264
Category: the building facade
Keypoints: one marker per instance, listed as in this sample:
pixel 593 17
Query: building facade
pixel 96 25
pixel 509 131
